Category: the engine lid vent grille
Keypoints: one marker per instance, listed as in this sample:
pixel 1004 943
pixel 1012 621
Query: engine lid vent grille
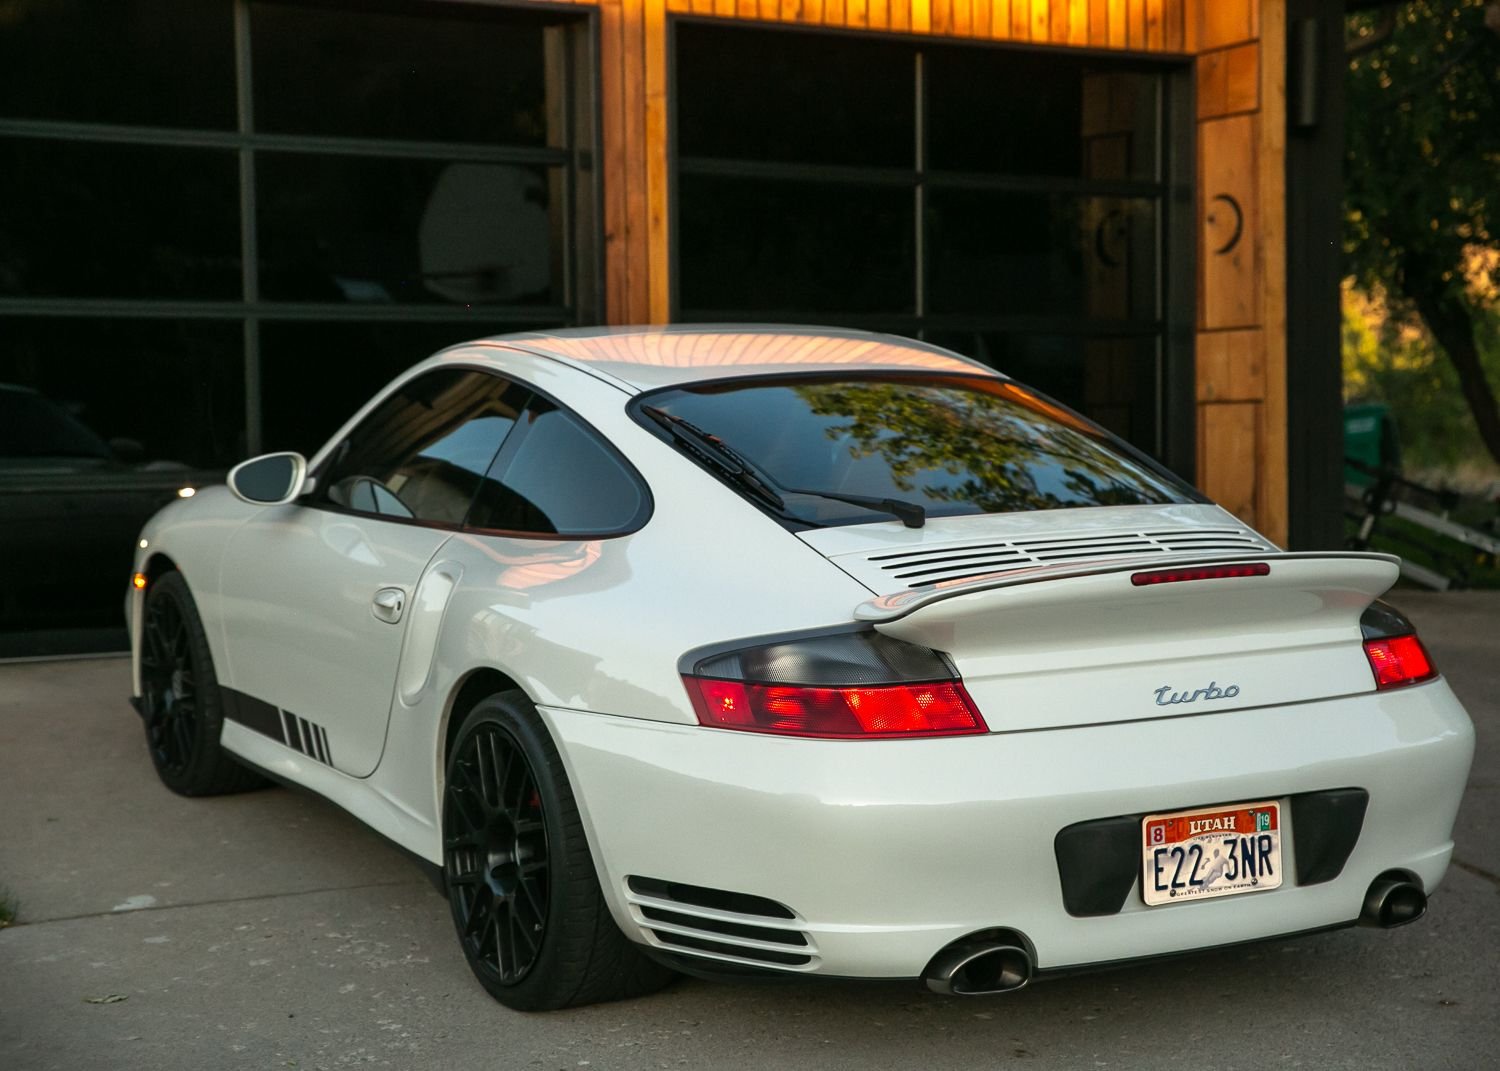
pixel 930 565
pixel 739 927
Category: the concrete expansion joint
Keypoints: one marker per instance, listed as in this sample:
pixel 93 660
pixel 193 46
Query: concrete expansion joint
pixel 133 910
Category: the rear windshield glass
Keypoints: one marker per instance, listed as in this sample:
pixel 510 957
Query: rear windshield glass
pixel 953 445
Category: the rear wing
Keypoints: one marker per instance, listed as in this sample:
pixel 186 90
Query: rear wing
pixel 893 607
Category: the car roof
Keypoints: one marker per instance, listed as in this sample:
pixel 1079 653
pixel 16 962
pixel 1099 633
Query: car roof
pixel 643 358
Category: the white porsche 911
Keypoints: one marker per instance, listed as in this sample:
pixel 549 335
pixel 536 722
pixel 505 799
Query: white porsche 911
pixel 781 650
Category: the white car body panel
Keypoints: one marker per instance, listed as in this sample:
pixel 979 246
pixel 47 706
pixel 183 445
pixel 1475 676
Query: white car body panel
pixel 884 850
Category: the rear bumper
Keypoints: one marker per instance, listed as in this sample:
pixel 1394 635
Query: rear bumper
pixel 885 851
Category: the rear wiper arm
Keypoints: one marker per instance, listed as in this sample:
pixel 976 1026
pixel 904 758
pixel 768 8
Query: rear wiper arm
pixel 717 453
pixel 724 457
pixel 908 513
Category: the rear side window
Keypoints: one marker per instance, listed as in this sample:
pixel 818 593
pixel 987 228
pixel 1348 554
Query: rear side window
pixel 423 452
pixel 557 477
pixel 953 445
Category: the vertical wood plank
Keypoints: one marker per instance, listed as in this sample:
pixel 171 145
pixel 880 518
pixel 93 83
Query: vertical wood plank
pixel 1135 24
pixel 963 18
pixel 901 15
pixel 1213 84
pixel 724 8
pixel 1175 41
pixel 878 14
pixel 1041 19
pixel 1226 22
pixel 612 177
pixel 1271 181
pixel 748 9
pixel 658 241
pixel 1000 18
pixel 1078 22
pixel 921 16
pixel 1228 449
pixel 1020 20
pixel 1156 29
pixel 1242 78
pixel 1099 23
pixel 834 13
pixel 633 70
pixel 1119 36
pixel 942 16
pixel 1231 366
pixel 1230 223
pixel 856 13
pixel 1059 29
pixel 791 10
pixel 984 11
pixel 697 7
pixel 812 12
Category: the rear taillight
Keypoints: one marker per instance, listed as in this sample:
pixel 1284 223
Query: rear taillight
pixel 1396 656
pixel 853 685
pixel 1398 660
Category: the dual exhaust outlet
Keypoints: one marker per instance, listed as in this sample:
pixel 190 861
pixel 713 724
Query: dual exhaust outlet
pixel 1002 961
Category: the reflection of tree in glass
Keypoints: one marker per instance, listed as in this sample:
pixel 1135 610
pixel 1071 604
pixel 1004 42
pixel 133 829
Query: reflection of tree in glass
pixel 1006 456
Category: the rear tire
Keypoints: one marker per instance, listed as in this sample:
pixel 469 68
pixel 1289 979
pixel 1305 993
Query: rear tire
pixel 521 883
pixel 180 701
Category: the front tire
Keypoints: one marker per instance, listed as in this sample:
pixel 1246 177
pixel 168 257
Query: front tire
pixel 521 883
pixel 180 700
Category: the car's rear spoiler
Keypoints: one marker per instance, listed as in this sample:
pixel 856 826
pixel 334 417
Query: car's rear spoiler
pixel 901 603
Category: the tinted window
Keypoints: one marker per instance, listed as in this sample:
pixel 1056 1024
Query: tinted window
pixel 555 477
pixel 953 445
pixel 422 453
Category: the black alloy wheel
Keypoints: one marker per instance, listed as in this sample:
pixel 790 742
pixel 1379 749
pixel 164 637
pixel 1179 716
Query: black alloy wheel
pixel 530 915
pixel 496 860
pixel 169 693
pixel 180 701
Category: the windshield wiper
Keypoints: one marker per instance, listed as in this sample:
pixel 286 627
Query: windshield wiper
pixel 724 457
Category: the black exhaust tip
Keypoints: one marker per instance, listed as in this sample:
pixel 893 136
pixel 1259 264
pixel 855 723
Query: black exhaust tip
pixel 994 961
pixel 1393 899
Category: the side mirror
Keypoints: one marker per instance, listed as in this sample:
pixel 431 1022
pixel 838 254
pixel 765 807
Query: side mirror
pixel 269 480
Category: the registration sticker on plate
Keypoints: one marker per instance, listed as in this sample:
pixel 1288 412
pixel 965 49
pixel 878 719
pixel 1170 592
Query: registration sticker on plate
pixel 1213 851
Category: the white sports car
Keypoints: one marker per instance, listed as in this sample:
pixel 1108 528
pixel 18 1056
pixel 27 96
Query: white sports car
pixel 782 650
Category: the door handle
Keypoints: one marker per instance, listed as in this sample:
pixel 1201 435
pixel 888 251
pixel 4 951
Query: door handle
pixel 388 604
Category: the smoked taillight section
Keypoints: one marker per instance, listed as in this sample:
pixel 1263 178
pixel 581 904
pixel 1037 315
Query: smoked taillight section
pixel 852 685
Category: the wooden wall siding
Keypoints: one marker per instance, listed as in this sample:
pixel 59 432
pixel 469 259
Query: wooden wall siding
pixel 1241 344
pixel 1144 25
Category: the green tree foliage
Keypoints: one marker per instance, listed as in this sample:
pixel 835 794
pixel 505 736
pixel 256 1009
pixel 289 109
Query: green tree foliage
pixel 1423 173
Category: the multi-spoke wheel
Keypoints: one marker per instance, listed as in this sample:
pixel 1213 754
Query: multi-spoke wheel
pixel 180 696
pixel 526 901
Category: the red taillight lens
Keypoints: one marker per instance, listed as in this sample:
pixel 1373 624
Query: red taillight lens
pixel 1398 660
pixel 935 708
pixel 1206 572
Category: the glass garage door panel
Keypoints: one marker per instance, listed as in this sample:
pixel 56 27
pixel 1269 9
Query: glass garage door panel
pixel 1042 254
pixel 102 421
pixel 450 73
pixel 141 62
pixel 790 98
pixel 760 247
pixel 315 376
pixel 376 231
pixel 118 221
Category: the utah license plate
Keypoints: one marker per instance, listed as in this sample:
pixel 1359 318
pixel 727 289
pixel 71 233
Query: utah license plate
pixel 1213 851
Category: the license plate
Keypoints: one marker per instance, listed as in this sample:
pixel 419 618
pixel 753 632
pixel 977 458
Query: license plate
pixel 1213 851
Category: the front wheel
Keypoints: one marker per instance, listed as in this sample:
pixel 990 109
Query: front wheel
pixel 526 901
pixel 180 697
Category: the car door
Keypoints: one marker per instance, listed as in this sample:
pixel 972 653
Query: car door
pixel 317 593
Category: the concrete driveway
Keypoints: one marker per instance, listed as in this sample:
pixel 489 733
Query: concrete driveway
pixel 270 930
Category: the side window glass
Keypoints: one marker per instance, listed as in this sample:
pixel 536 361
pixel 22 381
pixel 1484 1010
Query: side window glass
pixel 423 452
pixel 555 476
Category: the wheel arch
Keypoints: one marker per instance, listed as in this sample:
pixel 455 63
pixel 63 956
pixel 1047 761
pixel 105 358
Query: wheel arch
pixel 474 686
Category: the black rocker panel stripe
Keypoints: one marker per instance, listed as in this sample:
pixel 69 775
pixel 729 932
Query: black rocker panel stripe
pixel 283 726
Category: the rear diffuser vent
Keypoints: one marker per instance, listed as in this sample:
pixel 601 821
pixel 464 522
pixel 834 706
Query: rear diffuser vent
pixel 721 924
pixel 922 568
